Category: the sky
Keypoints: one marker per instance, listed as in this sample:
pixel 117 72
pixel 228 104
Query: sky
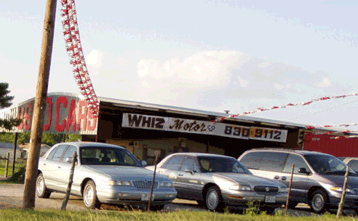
pixel 211 55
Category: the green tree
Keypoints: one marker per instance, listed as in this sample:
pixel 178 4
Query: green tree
pixel 5 101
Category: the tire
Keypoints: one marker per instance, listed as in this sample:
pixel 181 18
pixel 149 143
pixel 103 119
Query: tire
pixel 318 201
pixel 292 204
pixel 90 196
pixel 41 190
pixel 213 199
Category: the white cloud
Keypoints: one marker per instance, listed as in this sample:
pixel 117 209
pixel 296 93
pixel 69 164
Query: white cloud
pixel 207 69
pixel 243 82
pixel 94 61
pixel 324 83
pixel 280 86
pixel 264 64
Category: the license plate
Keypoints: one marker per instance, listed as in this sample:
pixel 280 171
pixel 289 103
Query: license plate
pixel 270 199
pixel 145 196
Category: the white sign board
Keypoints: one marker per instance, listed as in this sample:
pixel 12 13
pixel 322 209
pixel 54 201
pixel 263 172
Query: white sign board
pixel 150 122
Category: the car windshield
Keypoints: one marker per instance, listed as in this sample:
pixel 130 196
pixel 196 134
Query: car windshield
pixel 221 164
pixel 108 156
pixel 327 165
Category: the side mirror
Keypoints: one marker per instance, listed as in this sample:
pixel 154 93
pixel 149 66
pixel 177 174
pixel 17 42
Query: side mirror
pixel 303 170
pixel 68 159
pixel 144 163
pixel 189 171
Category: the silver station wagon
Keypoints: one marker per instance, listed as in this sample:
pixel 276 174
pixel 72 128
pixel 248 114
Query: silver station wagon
pixel 104 173
pixel 216 181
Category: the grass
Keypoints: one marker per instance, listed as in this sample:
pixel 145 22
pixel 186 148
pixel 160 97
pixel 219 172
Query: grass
pixel 19 169
pixel 103 215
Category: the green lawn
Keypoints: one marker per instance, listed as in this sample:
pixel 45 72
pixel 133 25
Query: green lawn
pixel 103 215
pixel 19 164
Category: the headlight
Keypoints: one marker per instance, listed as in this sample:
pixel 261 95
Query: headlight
pixel 283 190
pixel 119 183
pixel 340 190
pixel 240 187
pixel 166 184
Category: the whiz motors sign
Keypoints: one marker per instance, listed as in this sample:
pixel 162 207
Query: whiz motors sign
pixel 202 127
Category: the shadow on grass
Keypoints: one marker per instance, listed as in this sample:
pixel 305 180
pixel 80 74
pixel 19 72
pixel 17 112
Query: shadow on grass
pixel 18 177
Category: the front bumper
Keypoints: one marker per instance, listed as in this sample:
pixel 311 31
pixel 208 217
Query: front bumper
pixel 243 198
pixel 132 196
pixel 350 200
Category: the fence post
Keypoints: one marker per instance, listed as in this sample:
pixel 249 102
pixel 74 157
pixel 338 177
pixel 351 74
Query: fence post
pixel 340 207
pixel 7 164
pixel 65 200
pixel 155 170
pixel 289 189
pixel 14 159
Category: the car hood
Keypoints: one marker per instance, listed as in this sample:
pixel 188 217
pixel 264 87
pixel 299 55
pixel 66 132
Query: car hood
pixel 250 179
pixel 124 171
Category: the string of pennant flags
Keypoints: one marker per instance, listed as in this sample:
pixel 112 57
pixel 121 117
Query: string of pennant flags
pixel 261 109
pixel 77 59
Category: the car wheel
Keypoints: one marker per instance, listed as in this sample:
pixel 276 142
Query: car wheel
pixel 41 190
pixel 318 201
pixel 90 196
pixel 213 200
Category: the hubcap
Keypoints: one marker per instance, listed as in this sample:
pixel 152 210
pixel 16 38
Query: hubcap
pixel 318 202
pixel 88 195
pixel 212 200
pixel 40 185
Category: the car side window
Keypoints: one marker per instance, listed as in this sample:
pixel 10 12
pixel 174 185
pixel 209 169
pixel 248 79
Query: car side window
pixel 252 160
pixel 298 161
pixel 353 164
pixel 174 162
pixel 56 154
pixel 189 164
pixel 273 161
pixel 69 152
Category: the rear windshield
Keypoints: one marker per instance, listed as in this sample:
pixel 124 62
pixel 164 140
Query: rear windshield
pixel 327 165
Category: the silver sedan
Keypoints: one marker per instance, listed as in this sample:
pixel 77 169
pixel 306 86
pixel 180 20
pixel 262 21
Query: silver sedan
pixel 104 173
pixel 216 181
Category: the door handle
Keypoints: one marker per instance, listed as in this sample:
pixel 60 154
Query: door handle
pixel 283 178
pixel 59 167
pixel 276 177
pixel 180 174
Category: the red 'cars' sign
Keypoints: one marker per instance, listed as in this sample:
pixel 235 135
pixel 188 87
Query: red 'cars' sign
pixel 63 114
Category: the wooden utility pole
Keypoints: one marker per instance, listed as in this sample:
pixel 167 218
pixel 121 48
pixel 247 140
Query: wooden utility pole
pixel 40 106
